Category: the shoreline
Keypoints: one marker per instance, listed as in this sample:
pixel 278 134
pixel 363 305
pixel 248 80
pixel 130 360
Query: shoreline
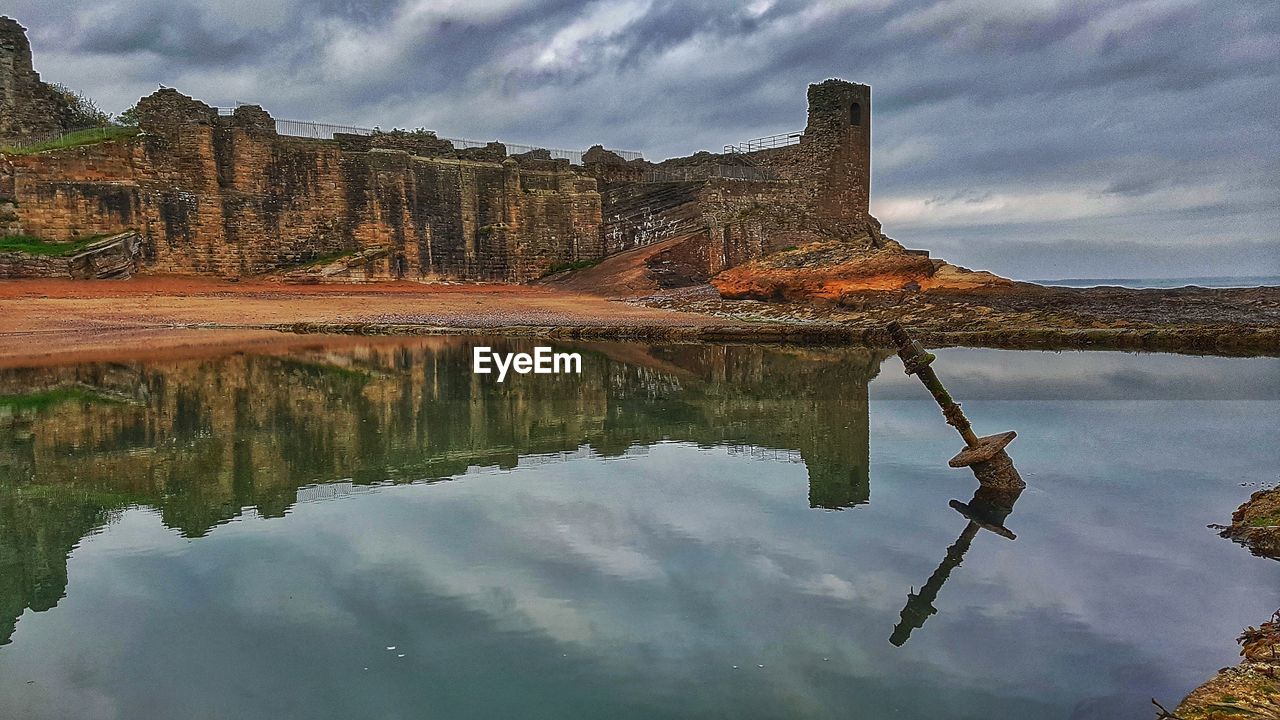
pixel 1264 343
pixel 44 322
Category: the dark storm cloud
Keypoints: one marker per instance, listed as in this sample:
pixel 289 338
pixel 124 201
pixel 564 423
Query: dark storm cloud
pixel 1020 135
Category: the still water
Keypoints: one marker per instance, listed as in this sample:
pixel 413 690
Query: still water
pixel 371 531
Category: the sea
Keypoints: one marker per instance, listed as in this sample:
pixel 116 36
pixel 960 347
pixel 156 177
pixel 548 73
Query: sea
pixel 1210 281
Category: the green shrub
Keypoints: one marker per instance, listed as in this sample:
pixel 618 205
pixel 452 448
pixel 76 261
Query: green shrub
pixel 128 118
pixel 84 111
pixel 32 245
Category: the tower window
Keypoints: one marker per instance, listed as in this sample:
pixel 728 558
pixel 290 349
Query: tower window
pixel 855 114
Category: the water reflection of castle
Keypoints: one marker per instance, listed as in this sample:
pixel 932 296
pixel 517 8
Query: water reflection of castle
pixel 199 440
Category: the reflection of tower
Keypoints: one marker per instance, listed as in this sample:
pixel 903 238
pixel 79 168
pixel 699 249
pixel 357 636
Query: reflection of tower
pixel 986 511
pixel 813 401
pixel 838 450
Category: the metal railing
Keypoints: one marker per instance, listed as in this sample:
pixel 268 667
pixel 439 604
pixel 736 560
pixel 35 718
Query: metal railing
pixel 693 173
pixel 84 133
pixel 325 131
pixel 764 143
pixel 318 131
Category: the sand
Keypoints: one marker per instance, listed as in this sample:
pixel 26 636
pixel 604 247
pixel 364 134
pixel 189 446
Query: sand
pixel 44 321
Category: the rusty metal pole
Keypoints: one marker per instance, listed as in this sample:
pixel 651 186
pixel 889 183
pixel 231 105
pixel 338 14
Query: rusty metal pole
pixel 984 455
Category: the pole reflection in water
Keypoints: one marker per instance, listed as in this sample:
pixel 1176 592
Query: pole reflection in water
pixel 987 510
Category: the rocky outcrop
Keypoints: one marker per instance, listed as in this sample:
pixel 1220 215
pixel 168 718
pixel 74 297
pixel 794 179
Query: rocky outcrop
pixel 835 271
pixel 1256 524
pixel 364 266
pixel 1250 689
pixel 111 258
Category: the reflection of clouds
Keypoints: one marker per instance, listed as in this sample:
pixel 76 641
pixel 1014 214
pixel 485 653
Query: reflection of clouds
pixel 1030 375
pixel 541 549
pixel 651 577
pixel 1114 519
pixel 830 586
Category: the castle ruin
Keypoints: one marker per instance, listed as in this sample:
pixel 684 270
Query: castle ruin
pixel 224 193
pixel 28 106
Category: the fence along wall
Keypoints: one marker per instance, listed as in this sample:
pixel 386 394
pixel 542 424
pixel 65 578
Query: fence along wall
pixel 227 195
pixel 328 131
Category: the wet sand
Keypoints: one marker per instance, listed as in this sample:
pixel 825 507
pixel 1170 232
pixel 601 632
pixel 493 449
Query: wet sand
pixel 44 321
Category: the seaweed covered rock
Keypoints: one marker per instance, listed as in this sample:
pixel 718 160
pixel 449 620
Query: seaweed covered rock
pixel 1256 524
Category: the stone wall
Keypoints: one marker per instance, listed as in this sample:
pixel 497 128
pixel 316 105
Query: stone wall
pixel 28 106
pixel 833 157
pixel 228 196
pixel 820 191
pixel 637 214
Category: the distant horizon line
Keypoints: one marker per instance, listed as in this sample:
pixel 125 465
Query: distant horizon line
pixel 1170 277
pixel 1207 281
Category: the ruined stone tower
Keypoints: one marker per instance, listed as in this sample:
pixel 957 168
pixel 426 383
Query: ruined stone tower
pixel 839 132
pixel 28 106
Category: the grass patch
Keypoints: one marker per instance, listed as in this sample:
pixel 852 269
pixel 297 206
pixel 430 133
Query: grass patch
pixel 73 139
pixel 1265 520
pixel 32 245
pixel 576 265
pixel 50 398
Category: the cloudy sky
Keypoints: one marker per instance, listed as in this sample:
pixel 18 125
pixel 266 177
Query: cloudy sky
pixel 1036 138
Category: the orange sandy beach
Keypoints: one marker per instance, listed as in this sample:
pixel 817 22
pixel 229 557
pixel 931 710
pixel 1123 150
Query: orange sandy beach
pixel 44 321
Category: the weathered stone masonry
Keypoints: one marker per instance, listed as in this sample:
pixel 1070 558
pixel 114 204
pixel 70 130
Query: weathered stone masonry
pixel 228 196
pixel 28 106
pixel 820 191
pixel 225 195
